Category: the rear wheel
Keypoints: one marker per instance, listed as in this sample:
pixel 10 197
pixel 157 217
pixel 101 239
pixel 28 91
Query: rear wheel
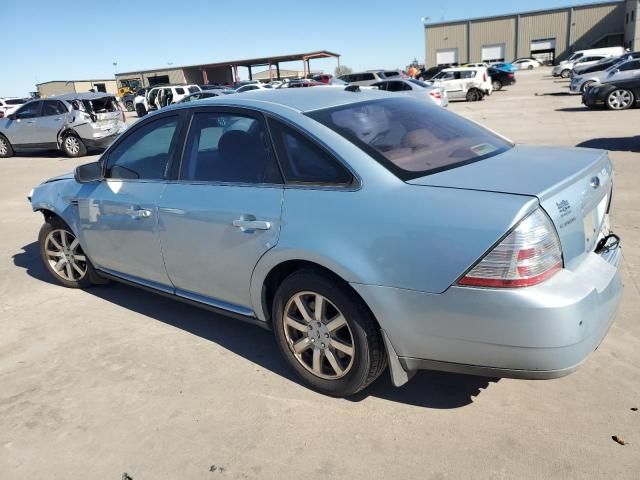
pixel 565 73
pixel 473 95
pixel 497 85
pixel 63 256
pixel 619 99
pixel 73 146
pixel 6 150
pixel 326 334
pixel 530 67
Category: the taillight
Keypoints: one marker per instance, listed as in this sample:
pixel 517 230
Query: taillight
pixel 485 77
pixel 510 75
pixel 530 254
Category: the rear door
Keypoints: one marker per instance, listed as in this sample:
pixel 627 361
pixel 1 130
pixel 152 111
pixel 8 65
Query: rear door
pixel 51 121
pixel 119 215
pixel 224 212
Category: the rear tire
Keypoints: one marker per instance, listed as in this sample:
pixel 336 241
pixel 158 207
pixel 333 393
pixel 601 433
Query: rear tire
pixel 140 110
pixel 308 340
pixel 6 150
pixel 473 95
pixel 72 146
pixel 497 85
pixel 530 67
pixel 64 258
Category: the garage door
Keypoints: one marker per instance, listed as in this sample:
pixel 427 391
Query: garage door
pixel 493 53
pixel 546 44
pixel 447 56
pixel 544 50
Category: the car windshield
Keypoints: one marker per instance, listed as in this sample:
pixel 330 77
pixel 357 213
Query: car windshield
pixel 411 138
pixel 420 83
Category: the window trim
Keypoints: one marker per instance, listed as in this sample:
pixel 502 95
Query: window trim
pixel 174 149
pixel 247 112
pixel 356 181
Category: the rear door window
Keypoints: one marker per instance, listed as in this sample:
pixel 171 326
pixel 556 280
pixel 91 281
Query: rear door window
pixel 53 107
pixel 303 161
pixel 410 138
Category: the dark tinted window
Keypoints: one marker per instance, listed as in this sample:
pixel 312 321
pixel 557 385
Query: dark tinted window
pixel 180 90
pixel 632 65
pixel 225 147
pixel 53 107
pixel 100 87
pixel 410 138
pixel 15 101
pixel 397 87
pixel 303 161
pixel 144 153
pixel 29 110
pixel 380 85
pixel 369 76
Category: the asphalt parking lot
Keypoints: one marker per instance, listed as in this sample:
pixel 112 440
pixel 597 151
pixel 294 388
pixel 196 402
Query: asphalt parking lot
pixel 111 380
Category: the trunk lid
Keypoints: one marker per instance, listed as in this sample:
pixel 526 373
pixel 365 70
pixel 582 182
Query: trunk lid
pixel 573 186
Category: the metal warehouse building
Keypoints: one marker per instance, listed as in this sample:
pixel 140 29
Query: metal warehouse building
pixel 60 87
pixel 544 34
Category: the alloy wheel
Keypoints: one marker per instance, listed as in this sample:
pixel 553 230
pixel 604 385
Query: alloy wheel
pixel 318 335
pixel 65 255
pixel 72 144
pixel 619 99
pixel 4 148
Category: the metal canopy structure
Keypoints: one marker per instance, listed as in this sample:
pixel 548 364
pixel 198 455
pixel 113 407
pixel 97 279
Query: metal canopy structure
pixel 250 63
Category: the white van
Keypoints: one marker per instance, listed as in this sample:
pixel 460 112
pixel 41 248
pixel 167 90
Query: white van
pixel 607 52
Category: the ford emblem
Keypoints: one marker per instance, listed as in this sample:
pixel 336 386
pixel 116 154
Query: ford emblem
pixel 595 182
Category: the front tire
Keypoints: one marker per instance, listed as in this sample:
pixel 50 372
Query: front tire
pixel 63 256
pixel 129 106
pixel 72 146
pixel 565 73
pixel 140 110
pixel 586 85
pixel 619 99
pixel 327 334
pixel 6 150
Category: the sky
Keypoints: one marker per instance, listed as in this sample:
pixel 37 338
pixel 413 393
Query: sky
pixel 45 40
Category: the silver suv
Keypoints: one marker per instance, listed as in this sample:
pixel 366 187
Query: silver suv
pixel 71 123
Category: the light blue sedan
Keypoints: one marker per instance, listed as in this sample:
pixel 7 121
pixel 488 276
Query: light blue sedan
pixel 364 229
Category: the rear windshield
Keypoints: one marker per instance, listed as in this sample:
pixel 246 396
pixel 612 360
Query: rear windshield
pixel 15 101
pixel 412 138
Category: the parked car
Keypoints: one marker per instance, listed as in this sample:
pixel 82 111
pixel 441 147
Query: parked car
pixel 564 69
pixel 507 67
pixel 416 89
pixel 604 52
pixel 429 73
pixel 71 123
pixel 300 83
pixel 627 69
pixel 327 241
pixel 471 84
pixel 526 63
pixel 483 64
pixel 500 78
pixel 8 105
pixel 163 96
pixel 253 86
pixel 207 94
pixel 363 78
pixel 619 95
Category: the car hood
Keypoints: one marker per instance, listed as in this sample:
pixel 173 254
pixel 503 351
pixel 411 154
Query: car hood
pixel 65 176
pixel 573 185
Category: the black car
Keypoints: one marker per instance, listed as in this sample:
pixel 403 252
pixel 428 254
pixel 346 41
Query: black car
pixel 619 95
pixel 500 78
pixel 429 73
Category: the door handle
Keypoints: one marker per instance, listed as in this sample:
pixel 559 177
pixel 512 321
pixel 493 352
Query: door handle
pixel 30 121
pixel 138 213
pixel 248 225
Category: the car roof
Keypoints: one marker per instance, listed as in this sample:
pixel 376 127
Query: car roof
pixel 81 96
pixel 298 99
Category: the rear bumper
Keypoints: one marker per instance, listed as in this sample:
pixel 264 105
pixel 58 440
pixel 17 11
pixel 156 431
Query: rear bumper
pixel 538 332
pixel 103 142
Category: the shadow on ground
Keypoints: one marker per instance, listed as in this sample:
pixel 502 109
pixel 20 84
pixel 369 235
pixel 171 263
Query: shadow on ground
pixel 620 144
pixel 426 389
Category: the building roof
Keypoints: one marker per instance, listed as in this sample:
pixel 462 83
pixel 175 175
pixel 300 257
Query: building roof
pixel 526 12
pixel 77 81
pixel 243 63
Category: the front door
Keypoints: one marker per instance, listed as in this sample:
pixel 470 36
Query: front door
pixel 224 212
pixel 119 216
pixel 22 131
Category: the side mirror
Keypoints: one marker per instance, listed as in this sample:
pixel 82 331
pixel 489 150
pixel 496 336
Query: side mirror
pixel 89 172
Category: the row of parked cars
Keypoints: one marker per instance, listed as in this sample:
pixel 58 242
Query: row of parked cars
pixel 608 78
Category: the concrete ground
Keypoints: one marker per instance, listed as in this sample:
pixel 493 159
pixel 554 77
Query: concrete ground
pixel 111 380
